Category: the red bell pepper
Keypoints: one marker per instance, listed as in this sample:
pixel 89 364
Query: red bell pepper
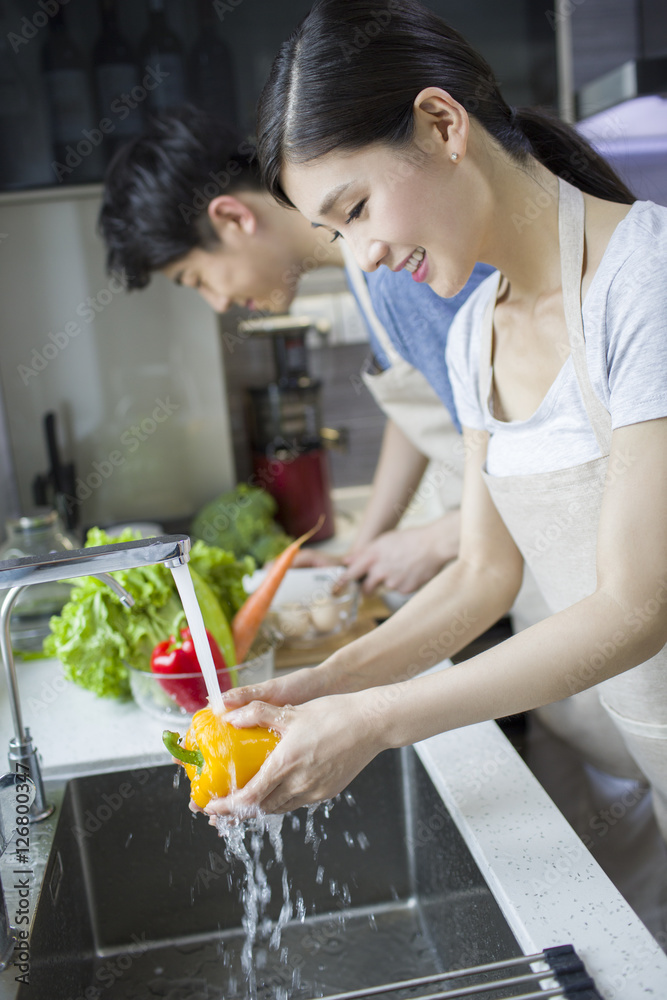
pixel 179 657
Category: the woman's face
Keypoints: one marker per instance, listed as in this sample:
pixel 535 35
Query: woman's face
pixel 394 209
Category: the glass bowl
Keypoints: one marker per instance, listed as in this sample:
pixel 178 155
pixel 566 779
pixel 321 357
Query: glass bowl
pixel 305 611
pixel 174 698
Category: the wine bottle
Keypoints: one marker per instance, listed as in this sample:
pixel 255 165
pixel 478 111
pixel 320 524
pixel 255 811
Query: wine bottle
pixel 75 139
pixel 164 56
pixel 116 75
pixel 210 71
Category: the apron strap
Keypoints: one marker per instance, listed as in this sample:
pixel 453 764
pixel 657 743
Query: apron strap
pixel 485 374
pixel 358 282
pixel 571 219
pixel 571 234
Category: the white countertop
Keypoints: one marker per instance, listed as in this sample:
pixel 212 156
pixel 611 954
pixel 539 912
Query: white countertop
pixel 549 887
pixel 71 726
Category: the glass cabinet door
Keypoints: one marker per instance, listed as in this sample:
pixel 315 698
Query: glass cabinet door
pixel 79 79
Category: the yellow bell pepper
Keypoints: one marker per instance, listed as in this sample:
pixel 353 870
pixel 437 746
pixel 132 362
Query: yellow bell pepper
pixel 218 758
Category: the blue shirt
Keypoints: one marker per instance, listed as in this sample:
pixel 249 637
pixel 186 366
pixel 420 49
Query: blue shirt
pixel 417 321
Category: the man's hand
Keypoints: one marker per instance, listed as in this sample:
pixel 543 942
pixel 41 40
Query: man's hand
pixel 406 559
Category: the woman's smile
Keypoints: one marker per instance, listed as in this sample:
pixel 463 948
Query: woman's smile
pixel 417 264
pixel 389 209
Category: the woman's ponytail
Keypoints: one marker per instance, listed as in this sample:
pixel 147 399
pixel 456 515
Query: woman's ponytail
pixel 562 150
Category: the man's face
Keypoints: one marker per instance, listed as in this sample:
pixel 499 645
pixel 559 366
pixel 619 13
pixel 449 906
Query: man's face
pixel 248 269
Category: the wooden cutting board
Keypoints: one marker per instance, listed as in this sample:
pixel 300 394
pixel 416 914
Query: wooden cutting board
pixel 372 610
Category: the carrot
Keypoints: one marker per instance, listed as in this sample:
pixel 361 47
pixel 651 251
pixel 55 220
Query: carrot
pixel 247 620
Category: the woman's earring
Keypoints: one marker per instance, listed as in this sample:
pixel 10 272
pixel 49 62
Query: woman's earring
pixel 455 157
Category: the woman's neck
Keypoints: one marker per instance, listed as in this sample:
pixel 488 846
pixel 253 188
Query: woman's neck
pixel 521 237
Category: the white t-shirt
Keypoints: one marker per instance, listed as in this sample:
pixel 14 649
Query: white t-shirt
pixel 625 326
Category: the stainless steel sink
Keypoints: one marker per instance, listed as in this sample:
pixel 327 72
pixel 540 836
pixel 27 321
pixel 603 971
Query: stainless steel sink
pixel 139 900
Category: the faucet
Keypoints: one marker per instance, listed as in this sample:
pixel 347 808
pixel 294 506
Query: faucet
pixel 99 561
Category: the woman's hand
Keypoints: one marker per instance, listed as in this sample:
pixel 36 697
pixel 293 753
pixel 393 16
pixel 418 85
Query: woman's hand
pixel 324 744
pixel 293 688
pixel 406 559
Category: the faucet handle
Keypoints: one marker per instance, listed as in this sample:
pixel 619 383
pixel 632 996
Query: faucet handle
pixel 17 793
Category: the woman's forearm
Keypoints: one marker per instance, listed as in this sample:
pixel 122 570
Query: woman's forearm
pixel 458 605
pixel 568 652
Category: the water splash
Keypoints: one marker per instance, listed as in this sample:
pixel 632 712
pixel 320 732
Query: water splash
pixel 245 840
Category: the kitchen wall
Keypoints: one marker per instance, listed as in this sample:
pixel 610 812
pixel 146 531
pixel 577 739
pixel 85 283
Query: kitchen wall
pixel 136 380
pixel 9 501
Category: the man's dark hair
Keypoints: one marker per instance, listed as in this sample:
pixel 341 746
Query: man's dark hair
pixel 158 187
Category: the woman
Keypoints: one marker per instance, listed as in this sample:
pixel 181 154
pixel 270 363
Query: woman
pixel 405 146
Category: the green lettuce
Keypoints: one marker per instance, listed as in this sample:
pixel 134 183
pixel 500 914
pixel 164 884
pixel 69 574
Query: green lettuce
pixel 96 637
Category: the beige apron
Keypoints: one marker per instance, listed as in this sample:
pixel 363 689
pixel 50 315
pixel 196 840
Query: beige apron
pixel 410 401
pixel 619 725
